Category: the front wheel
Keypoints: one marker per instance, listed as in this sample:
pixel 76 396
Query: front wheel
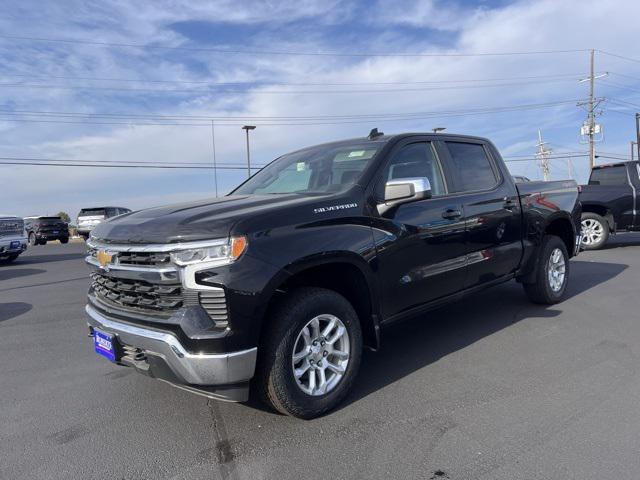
pixel 9 258
pixel 32 239
pixel 310 354
pixel 64 240
pixel 552 272
pixel 594 231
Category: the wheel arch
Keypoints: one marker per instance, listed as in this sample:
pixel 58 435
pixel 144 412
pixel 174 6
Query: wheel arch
pixel 602 210
pixel 563 227
pixel 345 273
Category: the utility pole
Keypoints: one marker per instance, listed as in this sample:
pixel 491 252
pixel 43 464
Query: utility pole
pixel 215 167
pixel 246 128
pixel 590 128
pixel 543 155
pixel 592 116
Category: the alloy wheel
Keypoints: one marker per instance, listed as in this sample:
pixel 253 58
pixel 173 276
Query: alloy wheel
pixel 592 231
pixel 320 355
pixel 556 270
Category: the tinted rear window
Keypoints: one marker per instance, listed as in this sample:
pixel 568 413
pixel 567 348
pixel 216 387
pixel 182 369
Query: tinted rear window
pixel 609 176
pixel 471 166
pixel 89 212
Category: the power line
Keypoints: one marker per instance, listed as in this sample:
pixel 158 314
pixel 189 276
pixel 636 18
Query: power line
pixel 126 162
pixel 266 121
pixel 318 84
pixel 208 117
pixel 257 91
pixel 281 52
pixel 92 165
pixel 623 87
pixel 618 56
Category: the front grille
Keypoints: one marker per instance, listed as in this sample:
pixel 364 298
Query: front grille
pixel 137 294
pixel 11 227
pixel 143 258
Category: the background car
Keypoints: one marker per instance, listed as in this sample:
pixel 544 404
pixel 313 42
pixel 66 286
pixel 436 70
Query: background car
pixel 42 229
pixel 13 240
pixel 88 218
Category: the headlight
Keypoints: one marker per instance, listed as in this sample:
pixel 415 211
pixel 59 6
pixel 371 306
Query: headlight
pixel 223 253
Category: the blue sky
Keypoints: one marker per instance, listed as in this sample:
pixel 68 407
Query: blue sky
pixel 183 82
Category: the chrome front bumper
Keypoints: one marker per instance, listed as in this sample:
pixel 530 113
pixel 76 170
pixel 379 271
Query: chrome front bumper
pixel 190 369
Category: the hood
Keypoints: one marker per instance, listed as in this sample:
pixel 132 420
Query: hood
pixel 200 220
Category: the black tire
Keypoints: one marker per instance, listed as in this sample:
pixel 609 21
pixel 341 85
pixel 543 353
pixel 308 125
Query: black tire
pixel 64 240
pixel 9 259
pixel 41 242
pixel 541 290
pixel 32 239
pixel 275 381
pixel 595 219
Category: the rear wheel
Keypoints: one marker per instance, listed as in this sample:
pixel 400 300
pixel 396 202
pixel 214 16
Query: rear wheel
pixel 594 231
pixel 552 272
pixel 310 355
pixel 41 242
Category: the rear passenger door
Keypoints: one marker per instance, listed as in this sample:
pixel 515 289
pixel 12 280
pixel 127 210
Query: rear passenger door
pixel 491 211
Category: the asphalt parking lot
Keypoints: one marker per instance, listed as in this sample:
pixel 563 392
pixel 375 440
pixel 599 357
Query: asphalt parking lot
pixel 491 387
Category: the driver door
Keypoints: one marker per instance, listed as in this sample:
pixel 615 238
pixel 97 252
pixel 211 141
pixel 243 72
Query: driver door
pixel 421 244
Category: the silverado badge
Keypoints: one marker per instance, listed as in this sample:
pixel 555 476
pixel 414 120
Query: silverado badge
pixel 104 258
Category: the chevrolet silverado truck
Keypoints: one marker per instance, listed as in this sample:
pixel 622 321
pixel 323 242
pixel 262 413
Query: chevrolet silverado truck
pixel 13 240
pixel 609 203
pixel 279 285
pixel 41 230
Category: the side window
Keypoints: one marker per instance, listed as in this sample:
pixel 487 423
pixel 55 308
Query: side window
pixel 472 166
pixel 417 160
pixel 609 176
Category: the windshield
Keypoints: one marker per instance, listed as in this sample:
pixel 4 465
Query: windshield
pixel 321 169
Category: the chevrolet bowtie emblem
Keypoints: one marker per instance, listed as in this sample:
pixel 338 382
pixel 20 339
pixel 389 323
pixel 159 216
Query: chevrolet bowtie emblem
pixel 104 258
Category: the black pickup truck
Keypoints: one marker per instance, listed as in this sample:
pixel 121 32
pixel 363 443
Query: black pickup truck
pixel 609 202
pixel 282 282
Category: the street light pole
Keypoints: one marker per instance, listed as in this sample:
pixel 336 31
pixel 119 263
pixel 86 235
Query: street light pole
pixel 638 133
pixel 246 128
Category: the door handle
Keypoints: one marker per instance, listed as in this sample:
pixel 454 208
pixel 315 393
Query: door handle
pixel 451 213
pixel 509 204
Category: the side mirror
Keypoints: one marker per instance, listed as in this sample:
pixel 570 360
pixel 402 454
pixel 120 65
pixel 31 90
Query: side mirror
pixel 404 190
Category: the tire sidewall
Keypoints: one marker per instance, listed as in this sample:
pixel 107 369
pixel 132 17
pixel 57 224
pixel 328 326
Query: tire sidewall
pixel 32 239
pixel 282 377
pixel 550 245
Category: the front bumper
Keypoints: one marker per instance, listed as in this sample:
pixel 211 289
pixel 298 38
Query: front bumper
pixel 5 245
pixel 161 355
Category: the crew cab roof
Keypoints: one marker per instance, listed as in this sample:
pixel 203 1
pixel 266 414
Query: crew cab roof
pixel 383 138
